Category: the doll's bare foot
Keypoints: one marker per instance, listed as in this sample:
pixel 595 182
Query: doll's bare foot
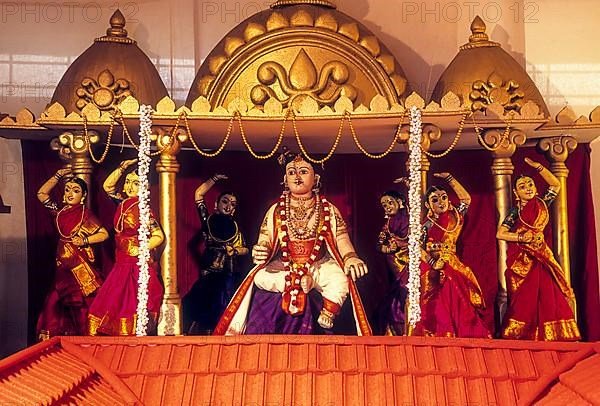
pixel 306 283
pixel 325 319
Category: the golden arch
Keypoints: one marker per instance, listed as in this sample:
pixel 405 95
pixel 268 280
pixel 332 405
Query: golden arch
pixel 299 52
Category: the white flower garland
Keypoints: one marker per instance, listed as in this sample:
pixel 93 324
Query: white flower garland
pixel 414 204
pixel 144 220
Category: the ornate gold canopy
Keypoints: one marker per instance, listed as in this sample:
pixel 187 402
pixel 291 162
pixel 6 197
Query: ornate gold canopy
pixel 483 73
pixel 295 51
pixel 113 68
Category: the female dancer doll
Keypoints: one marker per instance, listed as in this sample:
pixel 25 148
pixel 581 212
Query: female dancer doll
pixel 538 293
pixel 114 310
pixel 451 298
pixel 76 279
pixel 219 266
pixel 393 243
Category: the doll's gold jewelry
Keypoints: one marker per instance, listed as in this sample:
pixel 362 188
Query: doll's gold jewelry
pixel 75 229
pixel 443 228
pixel 302 199
pixel 299 221
pixel 119 225
pixel 349 255
pixel 542 226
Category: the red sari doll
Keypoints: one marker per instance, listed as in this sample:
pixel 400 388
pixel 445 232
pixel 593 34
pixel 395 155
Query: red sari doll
pixel 76 279
pixel 451 298
pixel 539 296
pixel 114 312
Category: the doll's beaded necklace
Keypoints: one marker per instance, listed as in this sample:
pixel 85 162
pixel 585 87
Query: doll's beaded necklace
pixel 75 229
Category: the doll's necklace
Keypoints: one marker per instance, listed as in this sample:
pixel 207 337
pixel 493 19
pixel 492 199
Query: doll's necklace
pixel 119 226
pixel 299 227
pixel 75 230
pixel 540 228
pixel 444 228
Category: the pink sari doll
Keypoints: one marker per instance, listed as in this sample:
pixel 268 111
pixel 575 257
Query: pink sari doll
pixel 114 312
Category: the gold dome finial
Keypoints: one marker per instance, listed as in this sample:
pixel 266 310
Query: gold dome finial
pixel 117 31
pixel 320 3
pixel 117 24
pixel 478 30
pixel 478 37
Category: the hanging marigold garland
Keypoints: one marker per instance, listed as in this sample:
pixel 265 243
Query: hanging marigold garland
pixel 144 220
pixel 414 204
pixel 294 298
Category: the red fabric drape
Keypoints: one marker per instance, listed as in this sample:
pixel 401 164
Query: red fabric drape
pixel 353 183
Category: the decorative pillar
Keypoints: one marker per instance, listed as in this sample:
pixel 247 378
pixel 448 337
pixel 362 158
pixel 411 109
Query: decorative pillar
pixel 167 167
pixel 431 134
pixel 503 148
pixel 557 150
pixel 73 148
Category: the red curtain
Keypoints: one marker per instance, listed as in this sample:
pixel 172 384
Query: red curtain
pixel 353 183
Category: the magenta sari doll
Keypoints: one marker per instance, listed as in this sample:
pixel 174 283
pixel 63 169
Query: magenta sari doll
pixel 114 312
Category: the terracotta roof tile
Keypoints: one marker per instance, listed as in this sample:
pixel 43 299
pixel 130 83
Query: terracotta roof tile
pixel 47 373
pixel 302 371
pixel 179 360
pixel 153 389
pixel 562 395
pixel 583 379
pixel 94 392
pixel 455 389
pixel 201 391
pixel 252 392
pixel 347 358
pixel 505 392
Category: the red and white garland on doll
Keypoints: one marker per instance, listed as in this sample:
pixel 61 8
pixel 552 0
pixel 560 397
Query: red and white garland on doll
pixel 294 272
pixel 144 229
pixel 414 205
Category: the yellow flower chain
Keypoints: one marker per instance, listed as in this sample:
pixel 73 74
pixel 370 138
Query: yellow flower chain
pixel 363 150
pixel 208 154
pixel 454 142
pixel 305 153
pixel 89 143
pixel 277 144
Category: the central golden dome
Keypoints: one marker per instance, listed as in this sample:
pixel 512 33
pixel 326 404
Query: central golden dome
pixel 299 50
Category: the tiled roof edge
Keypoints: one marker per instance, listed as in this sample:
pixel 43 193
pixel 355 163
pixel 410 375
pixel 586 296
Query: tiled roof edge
pixel 546 381
pixel 334 340
pixel 113 380
pixel 22 356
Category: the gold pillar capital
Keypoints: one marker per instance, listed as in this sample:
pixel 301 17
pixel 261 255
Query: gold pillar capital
pixel 77 141
pixel 169 145
pixel 73 148
pixel 504 145
pixel 557 150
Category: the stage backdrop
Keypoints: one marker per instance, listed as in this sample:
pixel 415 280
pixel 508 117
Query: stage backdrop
pixel 352 182
pixel 13 250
